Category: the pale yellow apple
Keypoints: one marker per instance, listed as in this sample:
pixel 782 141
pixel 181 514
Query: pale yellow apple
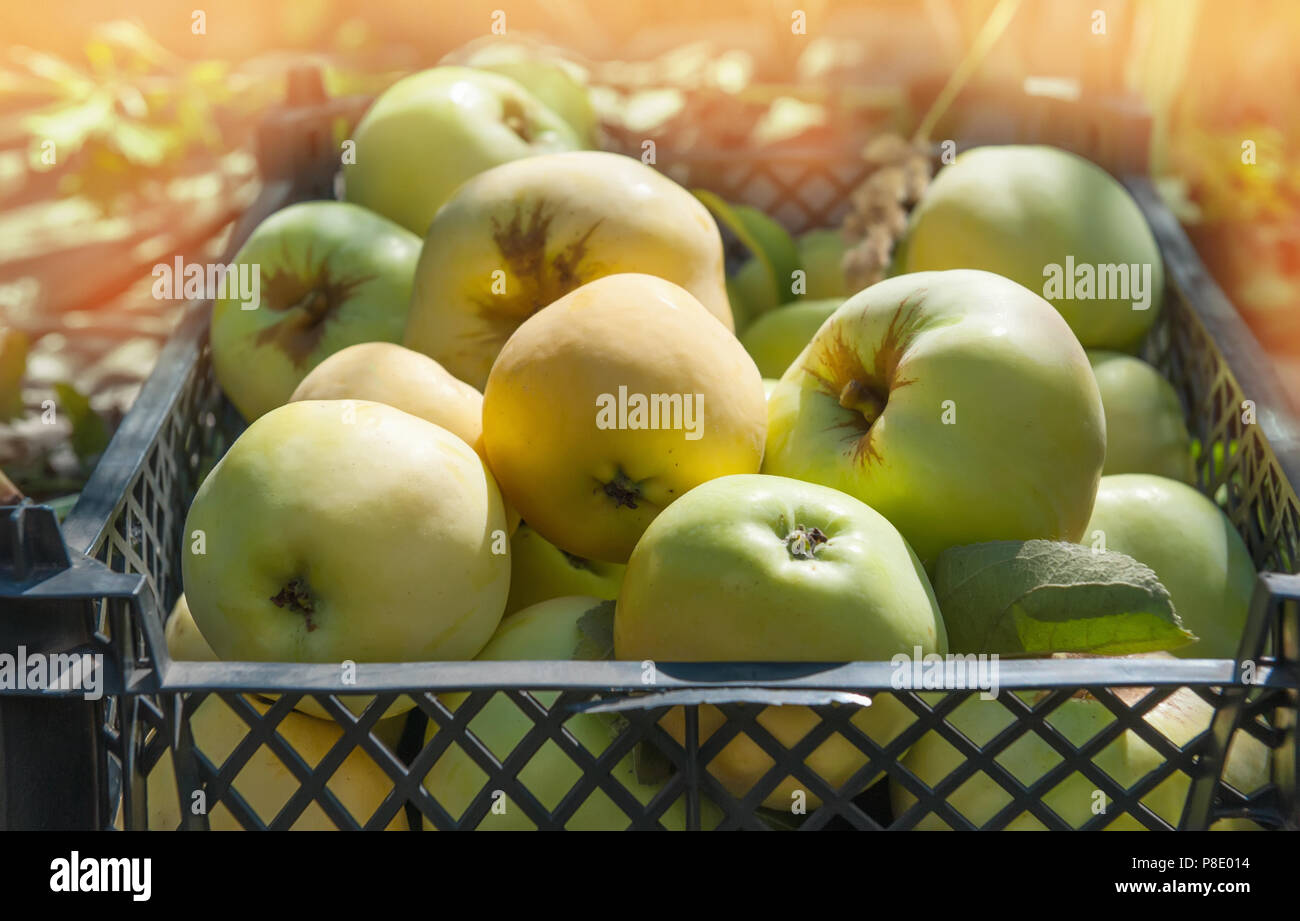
pixel 186 644
pixel 387 373
pixel 347 530
pixel 611 403
pixel 540 570
pixel 264 782
pixel 522 235
pixel 570 628
pixel 957 404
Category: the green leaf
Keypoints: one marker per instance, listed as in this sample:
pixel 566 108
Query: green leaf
pixel 596 629
pixel 89 434
pixel 1038 597
pixel 770 243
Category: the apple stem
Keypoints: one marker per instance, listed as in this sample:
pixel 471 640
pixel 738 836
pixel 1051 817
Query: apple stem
pixel 860 397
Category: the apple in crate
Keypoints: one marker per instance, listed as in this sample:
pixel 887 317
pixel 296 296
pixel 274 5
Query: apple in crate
pixel 429 132
pixel 957 404
pixel 539 570
pixel 775 339
pixel 1190 545
pixel 547 73
pixel 560 629
pixel 329 275
pixel 1054 222
pixel 762 568
pixel 388 373
pixel 519 237
pixel 1145 432
pixel 609 404
pixel 341 530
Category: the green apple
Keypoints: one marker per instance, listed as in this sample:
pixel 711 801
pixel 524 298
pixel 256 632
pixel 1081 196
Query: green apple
pixel 1179 718
pixel 560 629
pixel 329 275
pixel 556 81
pixel 822 254
pixel 957 404
pixel 429 132
pixel 1190 545
pixel 756 568
pixel 539 570
pixel 777 337
pixel 347 530
pixel 751 293
pixel 1044 217
pixel 1145 432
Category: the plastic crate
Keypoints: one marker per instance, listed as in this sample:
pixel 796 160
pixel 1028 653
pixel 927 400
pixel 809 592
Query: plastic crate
pixel 105 582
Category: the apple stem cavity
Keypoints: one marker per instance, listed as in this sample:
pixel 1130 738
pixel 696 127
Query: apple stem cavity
pixel 296 596
pixel 803 542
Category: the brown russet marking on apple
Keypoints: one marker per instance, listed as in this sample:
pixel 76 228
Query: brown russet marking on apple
pixel 296 596
pixel 309 303
pixel 863 391
pixel 802 542
pixel 541 280
pixel 622 490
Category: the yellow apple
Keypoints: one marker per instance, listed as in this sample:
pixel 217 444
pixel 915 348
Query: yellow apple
pixel 518 237
pixel 347 530
pixel 957 404
pixel 539 570
pixel 775 339
pixel 558 629
pixel 611 403
pixel 1145 432
pixel 265 783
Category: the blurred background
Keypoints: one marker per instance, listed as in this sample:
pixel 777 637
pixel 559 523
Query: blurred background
pixel 127 133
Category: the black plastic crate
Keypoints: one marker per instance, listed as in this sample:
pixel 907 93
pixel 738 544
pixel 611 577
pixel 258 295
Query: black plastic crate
pixel 106 582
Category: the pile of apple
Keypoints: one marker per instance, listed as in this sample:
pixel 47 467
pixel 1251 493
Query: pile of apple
pixel 498 409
